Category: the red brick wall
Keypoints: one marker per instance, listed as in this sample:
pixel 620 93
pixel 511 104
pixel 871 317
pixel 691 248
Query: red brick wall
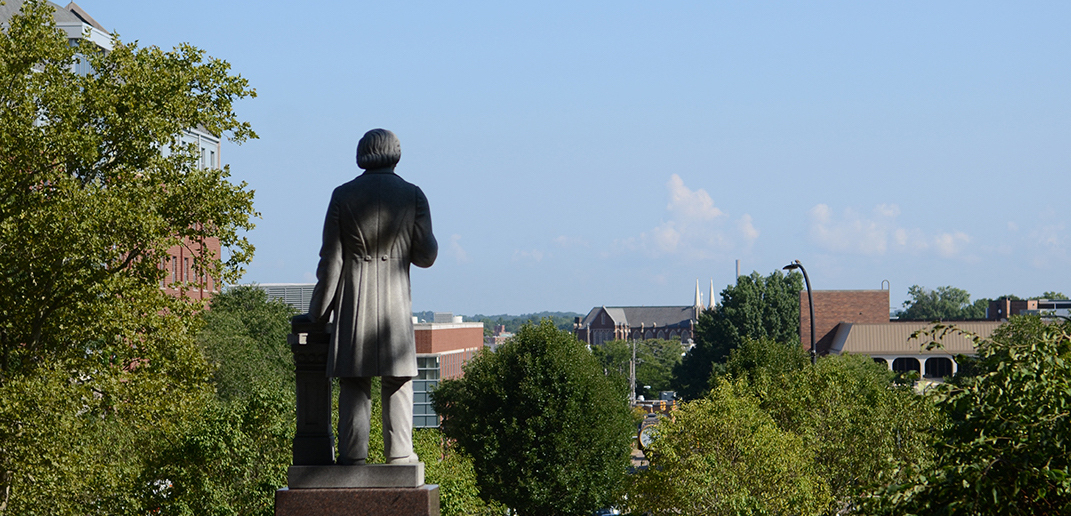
pixel 832 307
pixel 175 267
pixel 439 340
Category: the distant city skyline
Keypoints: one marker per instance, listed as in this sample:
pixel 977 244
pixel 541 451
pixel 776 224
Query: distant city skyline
pixel 609 153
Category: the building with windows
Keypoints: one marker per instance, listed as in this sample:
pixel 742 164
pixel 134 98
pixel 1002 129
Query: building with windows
pixel 72 20
pixel 497 338
pixel 891 344
pixel 443 348
pixel 605 323
pixel 1003 308
pixel 297 295
pixel 857 321
pixel 181 276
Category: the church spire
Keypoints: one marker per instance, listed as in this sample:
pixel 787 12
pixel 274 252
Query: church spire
pixel 698 306
pixel 711 294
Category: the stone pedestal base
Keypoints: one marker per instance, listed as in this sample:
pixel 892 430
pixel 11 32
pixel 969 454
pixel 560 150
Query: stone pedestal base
pixel 371 475
pixel 394 501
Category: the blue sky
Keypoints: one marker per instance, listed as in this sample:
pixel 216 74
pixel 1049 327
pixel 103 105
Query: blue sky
pixel 612 153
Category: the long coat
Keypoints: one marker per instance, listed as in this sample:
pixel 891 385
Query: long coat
pixel 376 226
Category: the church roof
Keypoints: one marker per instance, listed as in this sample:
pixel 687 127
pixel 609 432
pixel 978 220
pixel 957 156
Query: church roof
pixel 649 316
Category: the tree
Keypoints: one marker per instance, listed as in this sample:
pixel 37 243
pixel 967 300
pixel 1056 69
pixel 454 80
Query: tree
pixel 861 428
pixel 655 360
pixel 944 303
pixel 724 454
pixel 755 308
pixel 244 337
pixel 842 423
pixel 1006 449
pixel 548 433
pixel 562 320
pixel 94 189
pixel 763 361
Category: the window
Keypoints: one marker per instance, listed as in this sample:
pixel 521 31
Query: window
pixel 938 367
pixel 186 269
pixel 424 415
pixel 212 159
pixel 905 364
pixel 174 269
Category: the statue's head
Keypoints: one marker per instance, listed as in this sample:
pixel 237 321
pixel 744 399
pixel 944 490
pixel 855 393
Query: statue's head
pixel 378 148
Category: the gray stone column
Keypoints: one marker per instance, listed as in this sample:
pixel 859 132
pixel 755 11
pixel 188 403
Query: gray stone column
pixel 314 443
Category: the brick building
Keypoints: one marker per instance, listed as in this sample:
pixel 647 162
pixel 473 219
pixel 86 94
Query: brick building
pixel 605 323
pixel 442 349
pixel 857 322
pixel 832 307
pixel 180 275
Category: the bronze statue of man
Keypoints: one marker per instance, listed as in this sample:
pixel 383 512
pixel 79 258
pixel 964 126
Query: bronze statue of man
pixel 377 225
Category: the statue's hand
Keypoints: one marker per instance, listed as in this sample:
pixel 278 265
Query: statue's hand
pixel 302 319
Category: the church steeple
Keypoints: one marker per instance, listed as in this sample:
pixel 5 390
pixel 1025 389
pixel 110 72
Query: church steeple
pixel 711 300
pixel 698 300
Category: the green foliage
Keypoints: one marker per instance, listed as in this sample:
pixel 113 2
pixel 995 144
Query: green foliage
pixel 244 337
pixel 1051 295
pixel 655 360
pixel 547 432
pixel 724 455
pixel 227 460
pixel 945 303
pixel 444 464
pixel 454 473
pixel 1006 449
pixel 90 204
pixel 561 320
pixel 763 361
pixel 755 308
pixel 98 367
pixel 861 429
pixel 772 417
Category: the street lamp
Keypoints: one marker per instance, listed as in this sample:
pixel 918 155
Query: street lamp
pixel 810 304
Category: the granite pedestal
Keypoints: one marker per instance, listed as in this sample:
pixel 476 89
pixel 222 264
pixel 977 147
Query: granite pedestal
pixel 367 501
pixel 318 487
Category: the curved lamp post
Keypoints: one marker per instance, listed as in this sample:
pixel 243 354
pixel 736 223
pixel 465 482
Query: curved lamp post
pixel 810 304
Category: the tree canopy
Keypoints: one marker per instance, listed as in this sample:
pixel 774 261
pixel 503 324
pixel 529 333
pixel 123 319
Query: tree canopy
pixel 548 433
pixel 1006 449
pixel 97 365
pixel 776 435
pixel 756 307
pixel 655 360
pixel 724 455
pixel 942 304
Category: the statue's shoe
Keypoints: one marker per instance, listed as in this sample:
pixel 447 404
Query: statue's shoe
pixel 410 459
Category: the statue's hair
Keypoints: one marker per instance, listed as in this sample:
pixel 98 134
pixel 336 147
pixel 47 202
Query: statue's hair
pixel 378 148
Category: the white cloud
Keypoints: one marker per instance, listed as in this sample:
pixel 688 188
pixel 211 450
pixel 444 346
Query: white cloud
pixel 747 229
pixel 694 227
pixel 456 251
pixel 949 245
pixel 689 205
pixel 879 233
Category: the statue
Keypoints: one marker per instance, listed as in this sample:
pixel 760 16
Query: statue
pixel 377 225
